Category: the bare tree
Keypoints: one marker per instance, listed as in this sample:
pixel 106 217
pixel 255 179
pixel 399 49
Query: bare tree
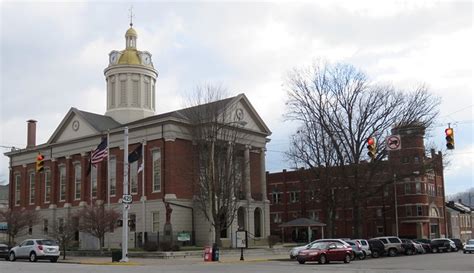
pixel 215 133
pixel 64 231
pixel 97 221
pixel 18 222
pixel 349 109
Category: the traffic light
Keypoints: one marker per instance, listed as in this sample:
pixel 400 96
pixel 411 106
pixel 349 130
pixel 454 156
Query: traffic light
pixel 39 162
pixel 372 147
pixel 449 138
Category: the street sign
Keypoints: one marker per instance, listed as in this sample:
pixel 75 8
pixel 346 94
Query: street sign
pixel 184 236
pixel 241 238
pixel 393 143
pixel 127 199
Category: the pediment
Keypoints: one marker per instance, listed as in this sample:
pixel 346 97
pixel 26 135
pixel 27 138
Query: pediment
pixel 242 110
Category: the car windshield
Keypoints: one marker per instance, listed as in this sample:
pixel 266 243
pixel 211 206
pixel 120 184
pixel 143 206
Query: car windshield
pixel 46 242
pixel 470 242
pixel 319 246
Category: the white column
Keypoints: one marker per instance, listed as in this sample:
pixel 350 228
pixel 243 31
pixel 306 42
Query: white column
pixel 248 191
pixel 263 175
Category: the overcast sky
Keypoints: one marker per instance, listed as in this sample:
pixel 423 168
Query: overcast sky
pixel 53 56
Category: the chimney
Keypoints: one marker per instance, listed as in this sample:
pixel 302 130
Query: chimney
pixel 31 134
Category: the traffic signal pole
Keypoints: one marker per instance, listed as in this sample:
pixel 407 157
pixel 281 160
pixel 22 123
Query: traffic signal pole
pixel 125 206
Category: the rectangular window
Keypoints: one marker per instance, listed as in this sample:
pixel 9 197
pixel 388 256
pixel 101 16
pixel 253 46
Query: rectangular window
pixel 156 158
pixel 276 217
pixel 294 196
pixel 123 93
pixel 135 93
pixel 419 210
pixel 62 183
pixel 113 175
pixel 407 188
pixel 155 221
pixel 379 212
pixel 17 189
pixel 112 93
pixel 276 198
pixel 47 186
pixel 94 181
pixel 132 219
pixel 60 224
pixel 45 226
pixel 313 215
pixel 77 181
pixel 32 188
pixel 418 187
pixel 408 211
pixel 147 94
pixel 134 177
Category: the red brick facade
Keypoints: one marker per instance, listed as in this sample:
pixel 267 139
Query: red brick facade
pixel 419 186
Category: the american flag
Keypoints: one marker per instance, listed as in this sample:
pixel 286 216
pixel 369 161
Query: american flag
pixel 100 152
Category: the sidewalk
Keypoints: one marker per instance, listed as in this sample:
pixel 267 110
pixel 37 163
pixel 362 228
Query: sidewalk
pixel 171 261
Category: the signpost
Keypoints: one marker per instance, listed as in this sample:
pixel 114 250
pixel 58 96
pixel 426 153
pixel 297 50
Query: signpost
pixel 127 199
pixel 393 143
pixel 241 240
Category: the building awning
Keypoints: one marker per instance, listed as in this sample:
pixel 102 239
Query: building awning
pixel 302 222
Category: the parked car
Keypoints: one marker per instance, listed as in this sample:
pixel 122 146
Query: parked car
pixel 35 249
pixel 440 245
pixel 392 244
pixel 325 252
pixel 365 246
pixel 425 243
pixel 419 247
pixel 469 246
pixel 356 250
pixel 376 247
pixel 4 251
pixel 457 242
pixel 294 251
pixel 453 246
pixel 409 247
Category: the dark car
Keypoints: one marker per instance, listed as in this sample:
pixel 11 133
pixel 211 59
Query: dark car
pixel 440 245
pixel 356 250
pixel 425 243
pixel 408 247
pixel 4 251
pixel 325 252
pixel 377 248
pixel 458 243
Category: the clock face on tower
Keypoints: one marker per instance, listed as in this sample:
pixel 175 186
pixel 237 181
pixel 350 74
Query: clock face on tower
pixel 113 57
pixel 146 58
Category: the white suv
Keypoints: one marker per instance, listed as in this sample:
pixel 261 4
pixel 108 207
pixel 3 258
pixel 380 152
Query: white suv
pixel 392 244
pixel 34 249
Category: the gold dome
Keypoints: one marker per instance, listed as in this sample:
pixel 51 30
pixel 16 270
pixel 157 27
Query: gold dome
pixel 129 56
pixel 131 32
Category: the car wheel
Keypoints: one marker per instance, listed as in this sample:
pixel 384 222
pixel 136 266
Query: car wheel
pixel 392 252
pixel 434 250
pixel 353 256
pixel 33 257
pixel 347 259
pixel 53 260
pixel 375 254
pixel 301 261
pixel 362 256
pixel 323 259
pixel 12 257
pixel 464 252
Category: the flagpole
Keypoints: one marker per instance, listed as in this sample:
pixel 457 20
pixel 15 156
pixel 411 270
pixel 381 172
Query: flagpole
pixel 108 169
pixel 124 205
pixel 143 192
pixel 90 158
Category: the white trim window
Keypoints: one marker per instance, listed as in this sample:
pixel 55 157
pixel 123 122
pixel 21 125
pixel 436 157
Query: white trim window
pixel 94 181
pixel 47 186
pixel 32 188
pixel 155 221
pixel 156 165
pixel 294 196
pixel 134 177
pixel 62 183
pixel 113 175
pixel 77 181
pixel 17 189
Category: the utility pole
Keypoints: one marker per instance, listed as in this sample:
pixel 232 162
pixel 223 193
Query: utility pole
pixel 125 205
pixel 396 202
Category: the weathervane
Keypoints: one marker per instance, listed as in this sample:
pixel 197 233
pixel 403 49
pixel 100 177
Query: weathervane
pixel 131 15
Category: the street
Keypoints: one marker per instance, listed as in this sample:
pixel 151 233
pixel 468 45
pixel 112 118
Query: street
pixel 449 262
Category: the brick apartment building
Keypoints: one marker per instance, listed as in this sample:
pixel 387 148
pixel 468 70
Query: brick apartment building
pixel 416 177
pixel 65 186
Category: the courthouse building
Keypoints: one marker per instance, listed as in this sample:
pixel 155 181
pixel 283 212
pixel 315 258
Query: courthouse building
pixel 65 185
